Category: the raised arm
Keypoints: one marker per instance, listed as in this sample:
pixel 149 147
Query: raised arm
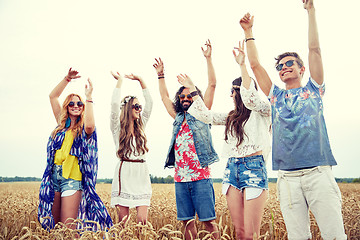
pixel 198 108
pixel 115 106
pixel 148 100
pixel 89 120
pixel 210 90
pixel 240 59
pixel 249 94
pixel 315 60
pixel 260 73
pixel 159 67
pixel 56 92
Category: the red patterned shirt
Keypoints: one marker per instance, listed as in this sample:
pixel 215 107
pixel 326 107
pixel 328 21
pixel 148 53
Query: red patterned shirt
pixel 187 165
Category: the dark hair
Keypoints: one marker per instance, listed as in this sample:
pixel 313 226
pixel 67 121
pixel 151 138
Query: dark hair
pixel 290 54
pixel 176 103
pixel 238 117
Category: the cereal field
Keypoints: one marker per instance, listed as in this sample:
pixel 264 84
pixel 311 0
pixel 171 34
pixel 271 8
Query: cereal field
pixel 18 216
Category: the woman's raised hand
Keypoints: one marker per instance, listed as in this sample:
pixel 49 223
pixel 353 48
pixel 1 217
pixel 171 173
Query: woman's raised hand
pixel 117 76
pixel 72 74
pixel 240 56
pixel 207 52
pixel 185 80
pixel 133 77
pixel 159 66
pixel 88 89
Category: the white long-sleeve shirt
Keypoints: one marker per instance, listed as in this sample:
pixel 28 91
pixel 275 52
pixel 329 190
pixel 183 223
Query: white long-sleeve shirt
pixel 257 131
pixel 115 117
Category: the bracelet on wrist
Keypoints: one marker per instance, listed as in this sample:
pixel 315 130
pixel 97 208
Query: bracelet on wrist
pixel 161 76
pixel 67 79
pixel 248 39
pixel 90 101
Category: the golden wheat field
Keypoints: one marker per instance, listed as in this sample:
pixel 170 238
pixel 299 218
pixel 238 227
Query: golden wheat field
pixel 18 216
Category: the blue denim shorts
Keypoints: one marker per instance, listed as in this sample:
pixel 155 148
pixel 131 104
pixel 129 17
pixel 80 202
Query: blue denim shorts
pixel 247 172
pixel 195 197
pixel 62 184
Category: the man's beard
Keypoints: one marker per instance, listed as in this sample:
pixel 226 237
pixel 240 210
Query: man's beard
pixel 185 108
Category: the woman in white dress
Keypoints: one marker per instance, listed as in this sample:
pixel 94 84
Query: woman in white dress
pixel 131 186
pixel 247 145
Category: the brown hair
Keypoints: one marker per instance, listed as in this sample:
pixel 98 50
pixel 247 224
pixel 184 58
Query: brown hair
pixel 126 146
pixel 237 118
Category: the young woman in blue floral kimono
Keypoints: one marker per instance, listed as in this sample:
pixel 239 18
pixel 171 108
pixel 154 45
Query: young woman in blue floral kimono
pixel 67 189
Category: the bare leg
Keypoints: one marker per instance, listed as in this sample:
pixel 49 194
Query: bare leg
pixel 123 212
pixel 142 212
pixel 235 201
pixel 56 208
pixel 211 227
pixel 253 211
pixel 70 208
pixel 190 229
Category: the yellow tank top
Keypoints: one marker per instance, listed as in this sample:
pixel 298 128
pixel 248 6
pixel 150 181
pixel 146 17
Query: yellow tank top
pixel 70 164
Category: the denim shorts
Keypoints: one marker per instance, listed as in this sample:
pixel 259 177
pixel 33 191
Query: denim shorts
pixel 246 172
pixel 195 197
pixel 62 184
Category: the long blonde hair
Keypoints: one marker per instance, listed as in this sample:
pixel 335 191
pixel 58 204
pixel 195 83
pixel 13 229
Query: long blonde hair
pixel 64 115
pixel 126 146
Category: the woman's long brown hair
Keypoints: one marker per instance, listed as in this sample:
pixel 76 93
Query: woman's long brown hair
pixel 126 146
pixel 238 117
pixel 64 114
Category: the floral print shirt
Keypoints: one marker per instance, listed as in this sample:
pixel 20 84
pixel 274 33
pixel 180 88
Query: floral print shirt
pixel 187 165
pixel 300 138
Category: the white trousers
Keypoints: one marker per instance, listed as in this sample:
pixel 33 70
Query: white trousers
pixel 314 189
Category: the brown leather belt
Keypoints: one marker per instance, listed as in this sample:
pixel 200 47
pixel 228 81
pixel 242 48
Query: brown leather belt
pixel 127 160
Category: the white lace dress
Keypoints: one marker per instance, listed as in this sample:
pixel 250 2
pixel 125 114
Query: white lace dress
pixel 257 128
pixel 135 178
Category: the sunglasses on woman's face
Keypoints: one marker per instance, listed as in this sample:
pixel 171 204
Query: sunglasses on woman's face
pixel 182 96
pixel 79 104
pixel 288 64
pixel 137 107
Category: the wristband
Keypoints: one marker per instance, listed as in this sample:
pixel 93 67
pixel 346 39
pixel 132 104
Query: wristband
pixel 90 101
pixel 68 79
pixel 247 39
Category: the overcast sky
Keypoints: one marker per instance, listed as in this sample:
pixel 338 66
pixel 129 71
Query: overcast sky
pixel 40 40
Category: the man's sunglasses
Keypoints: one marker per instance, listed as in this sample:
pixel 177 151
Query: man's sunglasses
pixel 137 107
pixel 182 96
pixel 79 104
pixel 288 64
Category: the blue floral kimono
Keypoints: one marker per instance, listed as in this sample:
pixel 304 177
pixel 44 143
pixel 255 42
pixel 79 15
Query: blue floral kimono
pixel 91 207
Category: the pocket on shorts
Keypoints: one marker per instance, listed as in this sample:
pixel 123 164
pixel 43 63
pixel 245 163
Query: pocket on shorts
pixel 253 165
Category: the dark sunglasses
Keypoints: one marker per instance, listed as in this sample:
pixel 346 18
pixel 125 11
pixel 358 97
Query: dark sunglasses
pixel 137 107
pixel 288 64
pixel 79 104
pixel 182 96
